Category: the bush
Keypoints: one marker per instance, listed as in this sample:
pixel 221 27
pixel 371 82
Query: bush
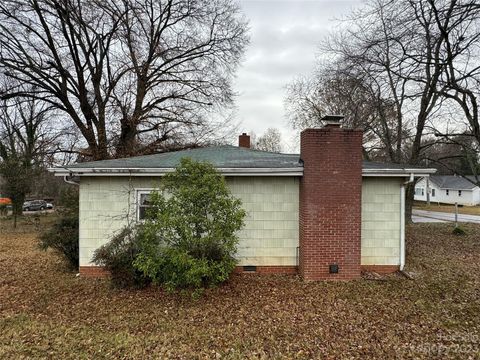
pixel 189 239
pixel 118 255
pixel 63 238
pixel 457 230
pixel 177 268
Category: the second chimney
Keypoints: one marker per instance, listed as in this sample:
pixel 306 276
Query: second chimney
pixel 244 141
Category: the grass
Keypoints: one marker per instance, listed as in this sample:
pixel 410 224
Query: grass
pixel 468 210
pixel 46 312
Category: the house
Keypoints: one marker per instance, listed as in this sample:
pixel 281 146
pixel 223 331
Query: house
pixel 324 213
pixel 448 189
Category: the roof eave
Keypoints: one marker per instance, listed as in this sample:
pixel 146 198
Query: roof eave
pixel 455 189
pixel 65 171
pixel 293 171
pixel 398 172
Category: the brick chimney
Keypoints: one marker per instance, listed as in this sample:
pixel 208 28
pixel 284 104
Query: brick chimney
pixel 330 202
pixel 244 141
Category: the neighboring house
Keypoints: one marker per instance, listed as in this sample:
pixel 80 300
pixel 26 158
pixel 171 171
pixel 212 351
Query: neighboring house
pixel 323 213
pixel 448 189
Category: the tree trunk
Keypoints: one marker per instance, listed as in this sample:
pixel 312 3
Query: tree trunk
pixel 127 145
pixel 17 209
pixel 409 193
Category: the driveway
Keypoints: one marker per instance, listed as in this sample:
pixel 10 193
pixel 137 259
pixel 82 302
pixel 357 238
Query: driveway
pixel 436 216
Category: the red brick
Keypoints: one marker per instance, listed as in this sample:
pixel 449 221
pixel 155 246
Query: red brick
pixel 330 203
pixel 93 272
pixel 244 141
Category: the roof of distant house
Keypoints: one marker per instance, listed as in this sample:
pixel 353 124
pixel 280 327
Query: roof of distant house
pixel 228 159
pixel 454 182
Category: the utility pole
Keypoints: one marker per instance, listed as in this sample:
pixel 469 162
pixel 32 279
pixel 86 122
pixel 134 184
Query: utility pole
pixel 456 214
pixel 427 179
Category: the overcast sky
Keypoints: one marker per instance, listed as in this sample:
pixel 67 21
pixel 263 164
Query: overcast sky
pixel 284 39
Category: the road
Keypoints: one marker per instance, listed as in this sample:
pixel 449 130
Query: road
pixel 436 216
pixel 39 212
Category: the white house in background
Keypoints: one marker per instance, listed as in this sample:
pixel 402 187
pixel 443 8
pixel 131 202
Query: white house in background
pixel 448 189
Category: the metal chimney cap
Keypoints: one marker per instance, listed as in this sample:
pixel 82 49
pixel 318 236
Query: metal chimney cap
pixel 332 120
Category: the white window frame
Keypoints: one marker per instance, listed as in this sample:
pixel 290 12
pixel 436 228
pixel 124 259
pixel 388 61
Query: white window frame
pixel 138 194
pixel 433 192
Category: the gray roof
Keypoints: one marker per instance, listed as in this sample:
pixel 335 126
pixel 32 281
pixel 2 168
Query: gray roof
pixel 220 156
pixel 453 182
pixel 232 159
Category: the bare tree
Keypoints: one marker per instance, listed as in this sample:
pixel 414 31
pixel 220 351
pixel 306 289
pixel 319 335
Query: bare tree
pixel 129 74
pixel 399 52
pixel 460 81
pixel 24 142
pixel 271 141
pixel 455 155
pixel 332 90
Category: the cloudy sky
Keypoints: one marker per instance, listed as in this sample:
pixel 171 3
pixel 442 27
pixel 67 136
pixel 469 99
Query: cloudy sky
pixel 284 39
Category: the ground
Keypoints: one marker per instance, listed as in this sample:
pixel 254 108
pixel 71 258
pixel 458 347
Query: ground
pixel 48 312
pixel 469 210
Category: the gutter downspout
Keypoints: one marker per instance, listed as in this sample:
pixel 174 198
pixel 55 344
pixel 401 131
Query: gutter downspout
pixel 65 178
pixel 402 221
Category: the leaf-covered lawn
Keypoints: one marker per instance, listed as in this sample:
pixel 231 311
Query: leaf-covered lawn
pixel 46 312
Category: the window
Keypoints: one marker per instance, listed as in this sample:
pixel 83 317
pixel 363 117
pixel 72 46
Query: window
pixel 433 192
pixel 459 193
pixel 143 203
pixel 419 191
pixel 447 192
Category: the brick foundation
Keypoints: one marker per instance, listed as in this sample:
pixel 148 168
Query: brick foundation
pixel 93 272
pixel 263 270
pixel 381 269
pixel 99 272
pixel 330 203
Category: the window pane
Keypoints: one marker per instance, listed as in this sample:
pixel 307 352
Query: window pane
pixel 142 212
pixel 144 199
pixel 144 204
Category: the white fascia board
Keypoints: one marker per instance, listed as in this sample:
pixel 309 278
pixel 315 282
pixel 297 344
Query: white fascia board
pixel 455 189
pixel 63 171
pixel 399 172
